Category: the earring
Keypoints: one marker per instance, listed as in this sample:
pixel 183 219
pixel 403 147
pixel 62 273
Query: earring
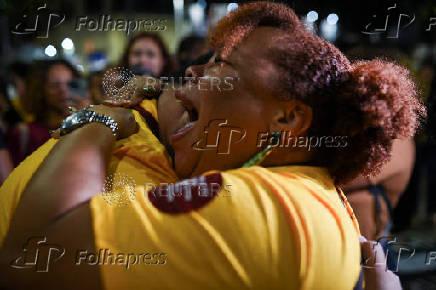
pixel 260 156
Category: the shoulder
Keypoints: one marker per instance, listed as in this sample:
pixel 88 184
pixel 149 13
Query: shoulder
pixel 238 184
pixel 14 185
pixel 150 106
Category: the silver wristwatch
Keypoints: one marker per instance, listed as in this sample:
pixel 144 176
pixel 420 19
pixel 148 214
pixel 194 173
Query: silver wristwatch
pixel 82 117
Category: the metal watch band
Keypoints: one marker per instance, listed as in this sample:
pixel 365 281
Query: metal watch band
pixel 108 121
pixel 82 117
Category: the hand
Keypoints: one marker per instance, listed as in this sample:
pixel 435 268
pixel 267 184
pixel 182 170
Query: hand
pixel 124 118
pixel 140 87
pixel 376 274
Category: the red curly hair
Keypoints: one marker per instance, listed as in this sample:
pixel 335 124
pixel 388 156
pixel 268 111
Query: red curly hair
pixel 370 102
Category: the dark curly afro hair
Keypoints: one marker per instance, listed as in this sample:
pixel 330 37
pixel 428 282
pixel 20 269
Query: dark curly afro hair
pixel 370 102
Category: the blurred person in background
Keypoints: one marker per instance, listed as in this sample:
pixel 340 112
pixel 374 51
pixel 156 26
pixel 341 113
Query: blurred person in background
pixel 6 165
pixel 47 98
pixel 5 159
pixel 95 88
pixel 373 199
pixel 146 54
pixel 190 48
pixel 217 222
pixel 432 146
pixel 15 90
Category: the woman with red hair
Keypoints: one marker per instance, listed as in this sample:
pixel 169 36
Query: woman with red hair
pixel 266 214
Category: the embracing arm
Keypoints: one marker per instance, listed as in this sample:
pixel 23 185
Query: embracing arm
pixel 55 205
pixel 6 165
pixel 71 174
pixel 394 176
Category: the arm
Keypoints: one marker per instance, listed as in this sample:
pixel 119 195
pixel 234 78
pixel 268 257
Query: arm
pixel 6 165
pixel 376 274
pixel 54 203
pixel 5 159
pixel 71 174
pixel 394 176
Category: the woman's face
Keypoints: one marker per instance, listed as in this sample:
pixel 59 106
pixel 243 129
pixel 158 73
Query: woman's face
pixel 214 125
pixel 146 54
pixel 56 87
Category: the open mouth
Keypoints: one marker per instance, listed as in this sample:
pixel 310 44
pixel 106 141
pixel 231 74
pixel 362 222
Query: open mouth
pixel 189 117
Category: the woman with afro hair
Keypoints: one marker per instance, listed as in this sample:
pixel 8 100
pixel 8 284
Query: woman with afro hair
pixel 258 204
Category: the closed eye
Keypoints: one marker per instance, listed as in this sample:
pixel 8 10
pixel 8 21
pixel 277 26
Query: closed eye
pixel 218 59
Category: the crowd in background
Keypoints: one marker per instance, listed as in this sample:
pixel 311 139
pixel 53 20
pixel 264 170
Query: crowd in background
pixel 35 98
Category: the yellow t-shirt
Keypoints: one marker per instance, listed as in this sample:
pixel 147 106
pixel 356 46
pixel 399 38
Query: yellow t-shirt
pixel 274 228
pixel 140 154
pixel 266 228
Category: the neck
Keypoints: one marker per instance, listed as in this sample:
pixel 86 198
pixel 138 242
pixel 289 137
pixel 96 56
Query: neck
pixel 285 156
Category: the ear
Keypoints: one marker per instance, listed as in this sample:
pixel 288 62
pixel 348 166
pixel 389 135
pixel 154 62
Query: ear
pixel 292 116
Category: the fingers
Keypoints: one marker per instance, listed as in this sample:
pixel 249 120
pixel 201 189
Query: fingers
pixel 376 274
pixel 114 103
pixel 55 134
pixel 145 87
pixel 71 109
pixel 134 92
pixel 150 86
pixel 372 254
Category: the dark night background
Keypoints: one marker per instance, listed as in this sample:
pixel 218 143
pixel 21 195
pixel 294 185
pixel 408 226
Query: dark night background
pixel 415 217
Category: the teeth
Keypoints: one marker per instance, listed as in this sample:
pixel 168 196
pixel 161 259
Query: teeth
pixel 187 125
pixel 185 117
pixel 187 122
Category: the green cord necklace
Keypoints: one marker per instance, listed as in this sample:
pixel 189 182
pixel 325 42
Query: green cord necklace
pixel 260 156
